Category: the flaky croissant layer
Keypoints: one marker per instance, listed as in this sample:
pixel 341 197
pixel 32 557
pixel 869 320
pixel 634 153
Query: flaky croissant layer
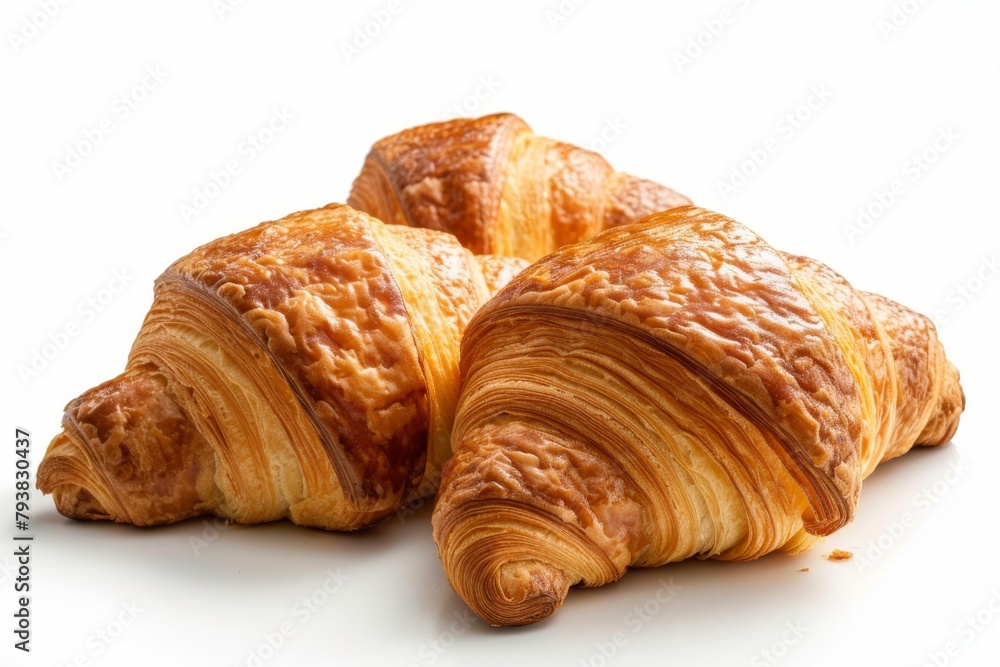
pixel 305 368
pixel 672 388
pixel 499 187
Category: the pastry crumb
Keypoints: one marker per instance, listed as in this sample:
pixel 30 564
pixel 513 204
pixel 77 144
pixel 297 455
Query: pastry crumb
pixel 805 569
pixel 837 554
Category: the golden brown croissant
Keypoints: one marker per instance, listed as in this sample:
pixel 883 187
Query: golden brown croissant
pixel 499 187
pixel 305 368
pixel 672 388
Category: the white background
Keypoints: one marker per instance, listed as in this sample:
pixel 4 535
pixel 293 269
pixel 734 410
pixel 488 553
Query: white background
pixel 608 67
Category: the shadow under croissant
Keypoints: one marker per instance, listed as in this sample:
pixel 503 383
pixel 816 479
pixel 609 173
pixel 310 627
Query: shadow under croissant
pixel 773 575
pixel 202 548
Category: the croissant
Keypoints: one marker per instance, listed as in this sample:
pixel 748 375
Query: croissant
pixel 499 187
pixel 672 388
pixel 305 368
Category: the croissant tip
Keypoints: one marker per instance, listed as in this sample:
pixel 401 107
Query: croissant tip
pixel 58 476
pixel 80 504
pixel 519 593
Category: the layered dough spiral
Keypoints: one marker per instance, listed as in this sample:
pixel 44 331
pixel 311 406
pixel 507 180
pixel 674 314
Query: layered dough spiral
pixel 305 368
pixel 499 187
pixel 668 389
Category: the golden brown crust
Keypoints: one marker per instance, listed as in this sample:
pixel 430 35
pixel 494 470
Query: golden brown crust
pixel 316 289
pixel 735 316
pixel 304 368
pixel 518 468
pixel 444 176
pixel 500 188
pixel 498 271
pixel 866 348
pixel 576 180
pixel 930 399
pixel 437 318
pixel 668 389
pixel 151 450
pixel 629 198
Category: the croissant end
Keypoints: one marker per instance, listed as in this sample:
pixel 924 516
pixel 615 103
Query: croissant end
pixel 511 592
pixel 141 466
pixel 512 556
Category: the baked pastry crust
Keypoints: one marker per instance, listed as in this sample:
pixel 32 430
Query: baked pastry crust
pixel 672 388
pixel 305 368
pixel 499 187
